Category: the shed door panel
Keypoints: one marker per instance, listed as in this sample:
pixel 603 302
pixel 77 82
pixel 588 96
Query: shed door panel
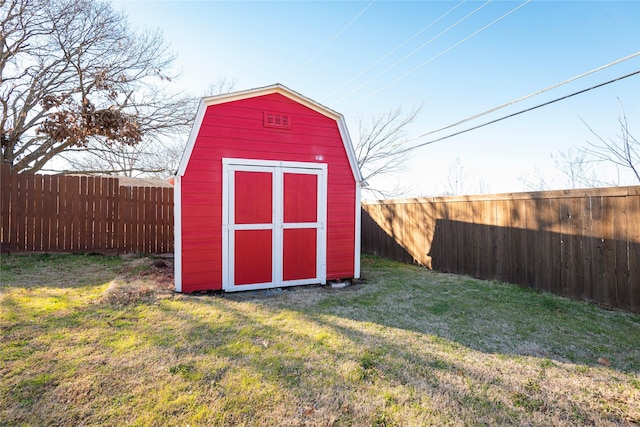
pixel 275 225
pixel 252 232
pixel 253 196
pixel 257 267
pixel 299 254
pixel 300 197
pixel 300 224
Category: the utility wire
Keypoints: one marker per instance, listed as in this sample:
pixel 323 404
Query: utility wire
pixel 515 114
pixel 413 52
pixel 332 40
pixel 515 101
pixel 442 53
pixel 422 30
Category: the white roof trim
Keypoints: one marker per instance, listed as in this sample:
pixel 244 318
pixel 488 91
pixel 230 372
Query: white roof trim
pixel 276 88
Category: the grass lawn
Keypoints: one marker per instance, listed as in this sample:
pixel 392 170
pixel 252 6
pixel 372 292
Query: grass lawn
pixel 101 340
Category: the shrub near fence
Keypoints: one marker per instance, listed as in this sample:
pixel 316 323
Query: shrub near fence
pixel 58 213
pixel 581 244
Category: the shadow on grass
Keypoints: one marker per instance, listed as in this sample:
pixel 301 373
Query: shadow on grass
pixel 396 359
pixel 486 316
pixel 409 347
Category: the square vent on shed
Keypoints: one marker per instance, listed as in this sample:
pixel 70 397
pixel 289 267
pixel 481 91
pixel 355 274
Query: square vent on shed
pixel 276 120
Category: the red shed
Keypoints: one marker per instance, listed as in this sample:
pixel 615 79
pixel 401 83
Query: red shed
pixel 267 194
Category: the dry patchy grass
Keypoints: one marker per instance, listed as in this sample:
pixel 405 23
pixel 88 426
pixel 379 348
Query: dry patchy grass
pixel 103 341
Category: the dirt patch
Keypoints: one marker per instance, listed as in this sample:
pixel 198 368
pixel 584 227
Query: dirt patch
pixel 142 280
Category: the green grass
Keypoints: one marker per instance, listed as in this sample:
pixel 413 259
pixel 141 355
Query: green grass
pixel 102 340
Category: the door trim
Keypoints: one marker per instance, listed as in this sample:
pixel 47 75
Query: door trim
pixel 278 168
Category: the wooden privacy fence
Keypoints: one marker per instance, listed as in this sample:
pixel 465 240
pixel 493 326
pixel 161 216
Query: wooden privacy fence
pixel 57 213
pixel 577 243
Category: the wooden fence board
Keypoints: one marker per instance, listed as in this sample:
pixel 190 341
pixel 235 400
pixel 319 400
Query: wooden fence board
pixel 576 245
pixel 73 186
pixel 169 237
pixel 83 215
pixel 22 201
pixel 13 206
pixel 50 208
pixel 123 215
pixel 597 248
pixel 530 243
pixel 608 254
pixel 128 218
pixel 109 226
pixel 137 209
pixel 620 227
pixel 502 269
pixel 97 241
pixel 552 261
pixel 587 249
pixel 633 235
pixel 149 220
pixel 30 195
pixel 38 212
pixel 5 199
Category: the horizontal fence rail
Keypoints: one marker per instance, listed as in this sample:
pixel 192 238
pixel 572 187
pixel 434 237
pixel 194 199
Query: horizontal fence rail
pixel 582 244
pixel 58 213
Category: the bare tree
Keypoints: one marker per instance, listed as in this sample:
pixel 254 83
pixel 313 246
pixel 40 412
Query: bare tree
pixel 623 151
pixel 456 179
pixel 579 170
pixel 600 164
pixel 154 158
pixel 537 181
pixel 458 182
pixel 221 85
pixel 576 169
pixel 380 147
pixel 75 76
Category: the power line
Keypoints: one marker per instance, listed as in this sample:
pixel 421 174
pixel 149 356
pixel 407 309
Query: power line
pixel 422 30
pixel 515 101
pixel 515 114
pixel 443 52
pixel 413 52
pixel 332 40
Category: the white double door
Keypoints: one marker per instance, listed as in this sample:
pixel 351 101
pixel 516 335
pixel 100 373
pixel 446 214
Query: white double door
pixel 273 224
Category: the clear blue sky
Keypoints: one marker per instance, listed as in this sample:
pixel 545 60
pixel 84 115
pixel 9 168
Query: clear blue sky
pixel 325 50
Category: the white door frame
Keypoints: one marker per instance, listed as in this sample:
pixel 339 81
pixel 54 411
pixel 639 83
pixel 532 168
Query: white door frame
pixel 278 169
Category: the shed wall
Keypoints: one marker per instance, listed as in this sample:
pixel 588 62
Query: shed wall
pixel 236 130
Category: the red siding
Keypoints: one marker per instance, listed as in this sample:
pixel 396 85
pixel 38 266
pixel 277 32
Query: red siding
pixel 236 130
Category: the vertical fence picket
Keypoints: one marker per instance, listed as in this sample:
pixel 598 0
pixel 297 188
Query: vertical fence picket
pixel 30 196
pixel 609 254
pixel 5 207
pixel 52 212
pixel 83 214
pixel 149 223
pixel 587 249
pixel 74 192
pixel 123 216
pixel 162 234
pixel 22 212
pixel 170 237
pixel 621 227
pixel 577 244
pixel 633 243
pixel 111 201
pixel 136 217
